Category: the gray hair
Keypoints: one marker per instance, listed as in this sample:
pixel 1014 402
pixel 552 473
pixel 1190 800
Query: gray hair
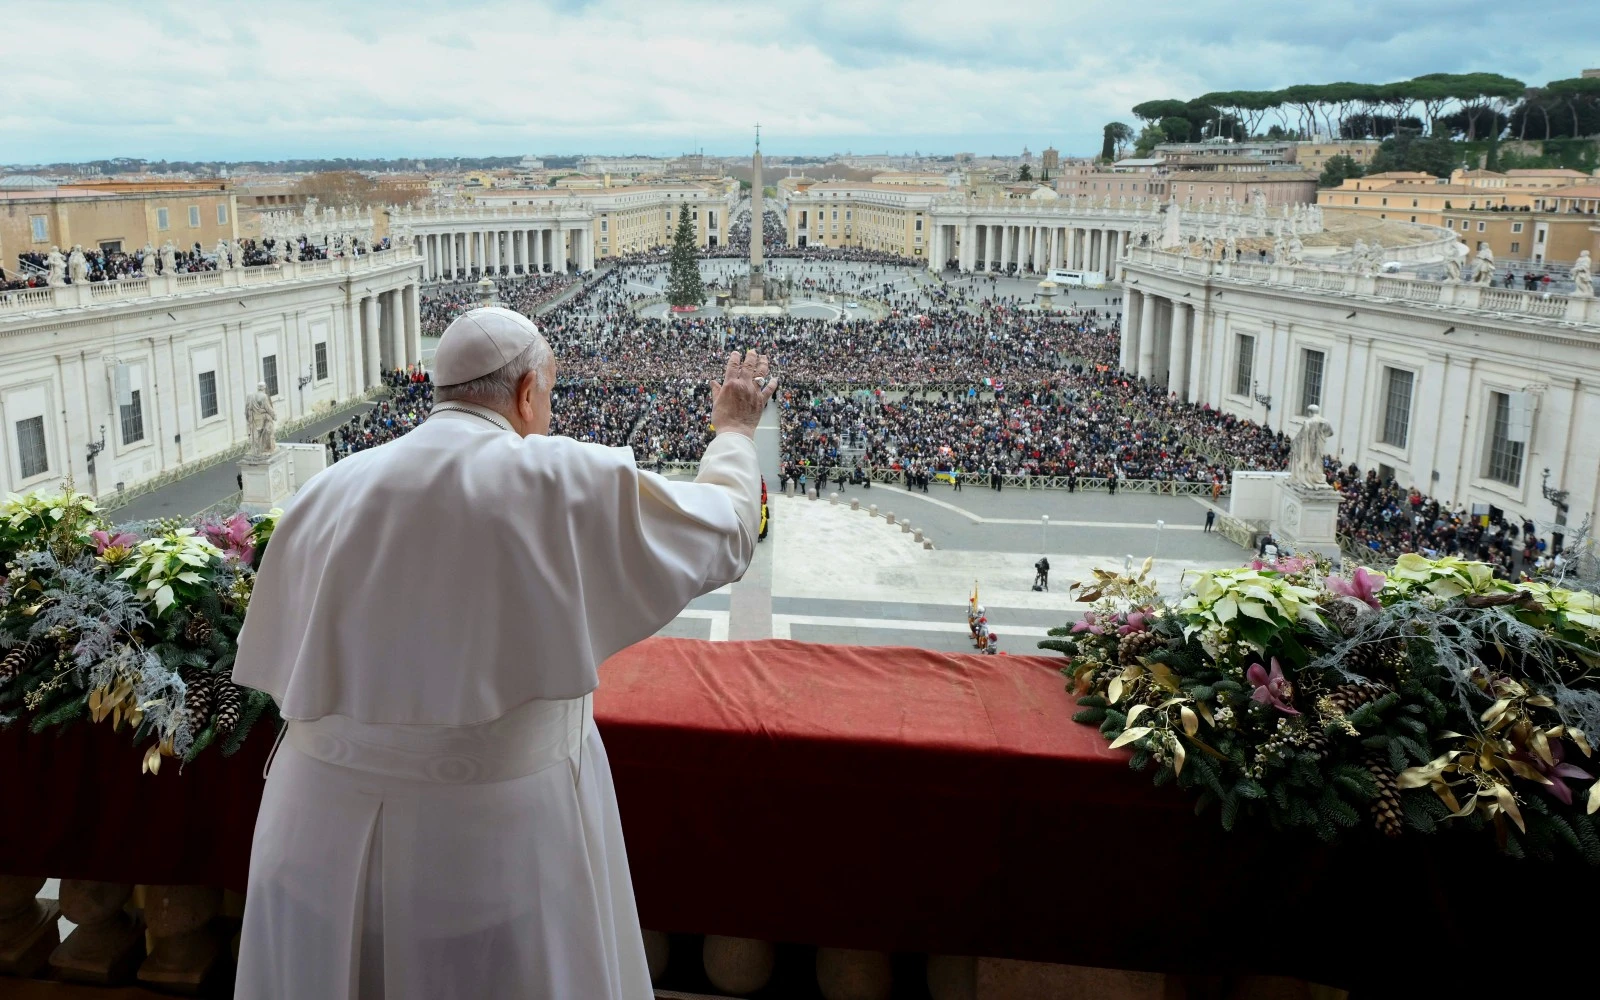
pixel 498 389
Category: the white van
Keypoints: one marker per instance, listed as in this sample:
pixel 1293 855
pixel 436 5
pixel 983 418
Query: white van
pixel 1081 279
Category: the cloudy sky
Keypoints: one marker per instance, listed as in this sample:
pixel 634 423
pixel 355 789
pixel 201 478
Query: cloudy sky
pixel 216 79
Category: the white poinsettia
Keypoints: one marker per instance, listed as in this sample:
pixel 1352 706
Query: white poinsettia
pixel 1221 598
pixel 1580 607
pixel 162 565
pixel 52 507
pixel 1445 577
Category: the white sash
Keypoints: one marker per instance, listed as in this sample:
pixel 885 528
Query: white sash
pixel 527 739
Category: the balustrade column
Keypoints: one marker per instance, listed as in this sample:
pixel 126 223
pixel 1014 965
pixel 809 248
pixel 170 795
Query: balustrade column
pixel 1147 335
pixel 28 927
pixel 1178 372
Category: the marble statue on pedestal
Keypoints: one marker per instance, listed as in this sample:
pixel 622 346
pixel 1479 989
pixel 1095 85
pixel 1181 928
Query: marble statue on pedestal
pixel 1296 251
pixel 1583 276
pixel 1305 450
pixel 1230 248
pixel 169 258
pixel 1279 251
pixel 261 418
pixel 147 262
pixel 78 265
pixel 223 263
pixel 56 266
pixel 1483 265
pixel 1455 256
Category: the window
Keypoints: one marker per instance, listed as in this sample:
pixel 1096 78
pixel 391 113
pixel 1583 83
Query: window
pixel 31 452
pixel 1516 247
pixel 1449 223
pixel 132 419
pixel 111 246
pixel 161 218
pixel 1244 370
pixel 1413 203
pixel 602 225
pixel 269 373
pixel 1310 380
pixel 919 224
pixel 208 394
pixel 847 215
pixel 1480 227
pixel 40 224
pixel 1505 455
pixel 1516 227
pixel 222 214
pixel 322 360
pixel 194 216
pixel 1413 218
pixel 1385 201
pixel 1397 406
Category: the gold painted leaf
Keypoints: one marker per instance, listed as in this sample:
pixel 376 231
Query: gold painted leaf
pixel 1114 690
pixel 1508 802
pixel 1129 735
pixel 1594 798
pixel 1191 722
pixel 1179 755
pixel 1164 676
pixel 1205 713
pixel 1135 712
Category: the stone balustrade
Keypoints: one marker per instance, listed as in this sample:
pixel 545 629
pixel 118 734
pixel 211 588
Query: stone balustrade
pixel 101 294
pixel 1449 296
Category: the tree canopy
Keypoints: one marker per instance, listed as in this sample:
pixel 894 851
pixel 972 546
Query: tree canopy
pixel 1464 105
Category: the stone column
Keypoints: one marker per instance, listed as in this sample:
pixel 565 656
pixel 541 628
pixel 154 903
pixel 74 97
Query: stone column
pixel 538 250
pixel 413 318
pixel 399 332
pixel 369 331
pixel 1129 355
pixel 1178 373
pixel 1147 335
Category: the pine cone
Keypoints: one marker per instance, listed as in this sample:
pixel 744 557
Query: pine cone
pixel 1342 615
pixel 1135 645
pixel 1104 676
pixel 1346 698
pixel 197 699
pixel 18 659
pixel 199 630
pixel 228 702
pixel 1386 810
pixel 1315 741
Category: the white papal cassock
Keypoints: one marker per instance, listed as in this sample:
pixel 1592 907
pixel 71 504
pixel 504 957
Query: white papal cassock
pixel 439 820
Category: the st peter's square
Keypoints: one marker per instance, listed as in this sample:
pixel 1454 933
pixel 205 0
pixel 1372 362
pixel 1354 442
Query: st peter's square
pixel 509 500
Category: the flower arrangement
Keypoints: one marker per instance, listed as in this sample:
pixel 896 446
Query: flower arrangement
pixel 1434 697
pixel 134 625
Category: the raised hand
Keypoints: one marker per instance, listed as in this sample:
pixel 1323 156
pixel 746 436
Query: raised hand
pixel 738 399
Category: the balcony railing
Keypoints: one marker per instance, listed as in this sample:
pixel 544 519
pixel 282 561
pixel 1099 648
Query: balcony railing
pixel 93 294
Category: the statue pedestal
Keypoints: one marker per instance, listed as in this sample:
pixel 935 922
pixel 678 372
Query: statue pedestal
pixel 1306 518
pixel 268 481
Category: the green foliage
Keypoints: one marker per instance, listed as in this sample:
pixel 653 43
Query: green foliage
pixel 1025 174
pixel 1408 151
pixel 1337 170
pixel 684 287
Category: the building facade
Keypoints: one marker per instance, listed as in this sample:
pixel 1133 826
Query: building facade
pixel 1464 391
pixel 512 231
pixel 119 382
pixel 115 217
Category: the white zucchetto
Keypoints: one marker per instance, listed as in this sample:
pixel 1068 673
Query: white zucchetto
pixel 479 342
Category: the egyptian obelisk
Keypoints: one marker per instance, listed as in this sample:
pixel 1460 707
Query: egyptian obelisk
pixel 757 268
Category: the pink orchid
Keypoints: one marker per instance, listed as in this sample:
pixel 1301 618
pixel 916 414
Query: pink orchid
pixel 1136 621
pixel 1273 689
pixel 1555 771
pixel 1295 564
pixel 106 540
pixel 234 536
pixel 1364 587
pixel 1090 623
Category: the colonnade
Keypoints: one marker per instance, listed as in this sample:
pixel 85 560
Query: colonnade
pixel 500 249
pixel 982 246
pixel 1162 342
pixel 388 334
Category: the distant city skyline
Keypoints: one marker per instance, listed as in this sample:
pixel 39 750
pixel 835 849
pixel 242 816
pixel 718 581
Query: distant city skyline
pixel 170 81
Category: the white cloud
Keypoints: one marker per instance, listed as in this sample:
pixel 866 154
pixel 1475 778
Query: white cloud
pixel 291 78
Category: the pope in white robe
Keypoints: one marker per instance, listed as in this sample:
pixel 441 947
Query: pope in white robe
pixel 439 820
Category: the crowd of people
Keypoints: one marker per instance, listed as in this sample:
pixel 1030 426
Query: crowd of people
pixel 956 383
pixel 409 403
pixel 523 293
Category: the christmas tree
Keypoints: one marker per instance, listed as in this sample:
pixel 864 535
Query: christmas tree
pixel 683 283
